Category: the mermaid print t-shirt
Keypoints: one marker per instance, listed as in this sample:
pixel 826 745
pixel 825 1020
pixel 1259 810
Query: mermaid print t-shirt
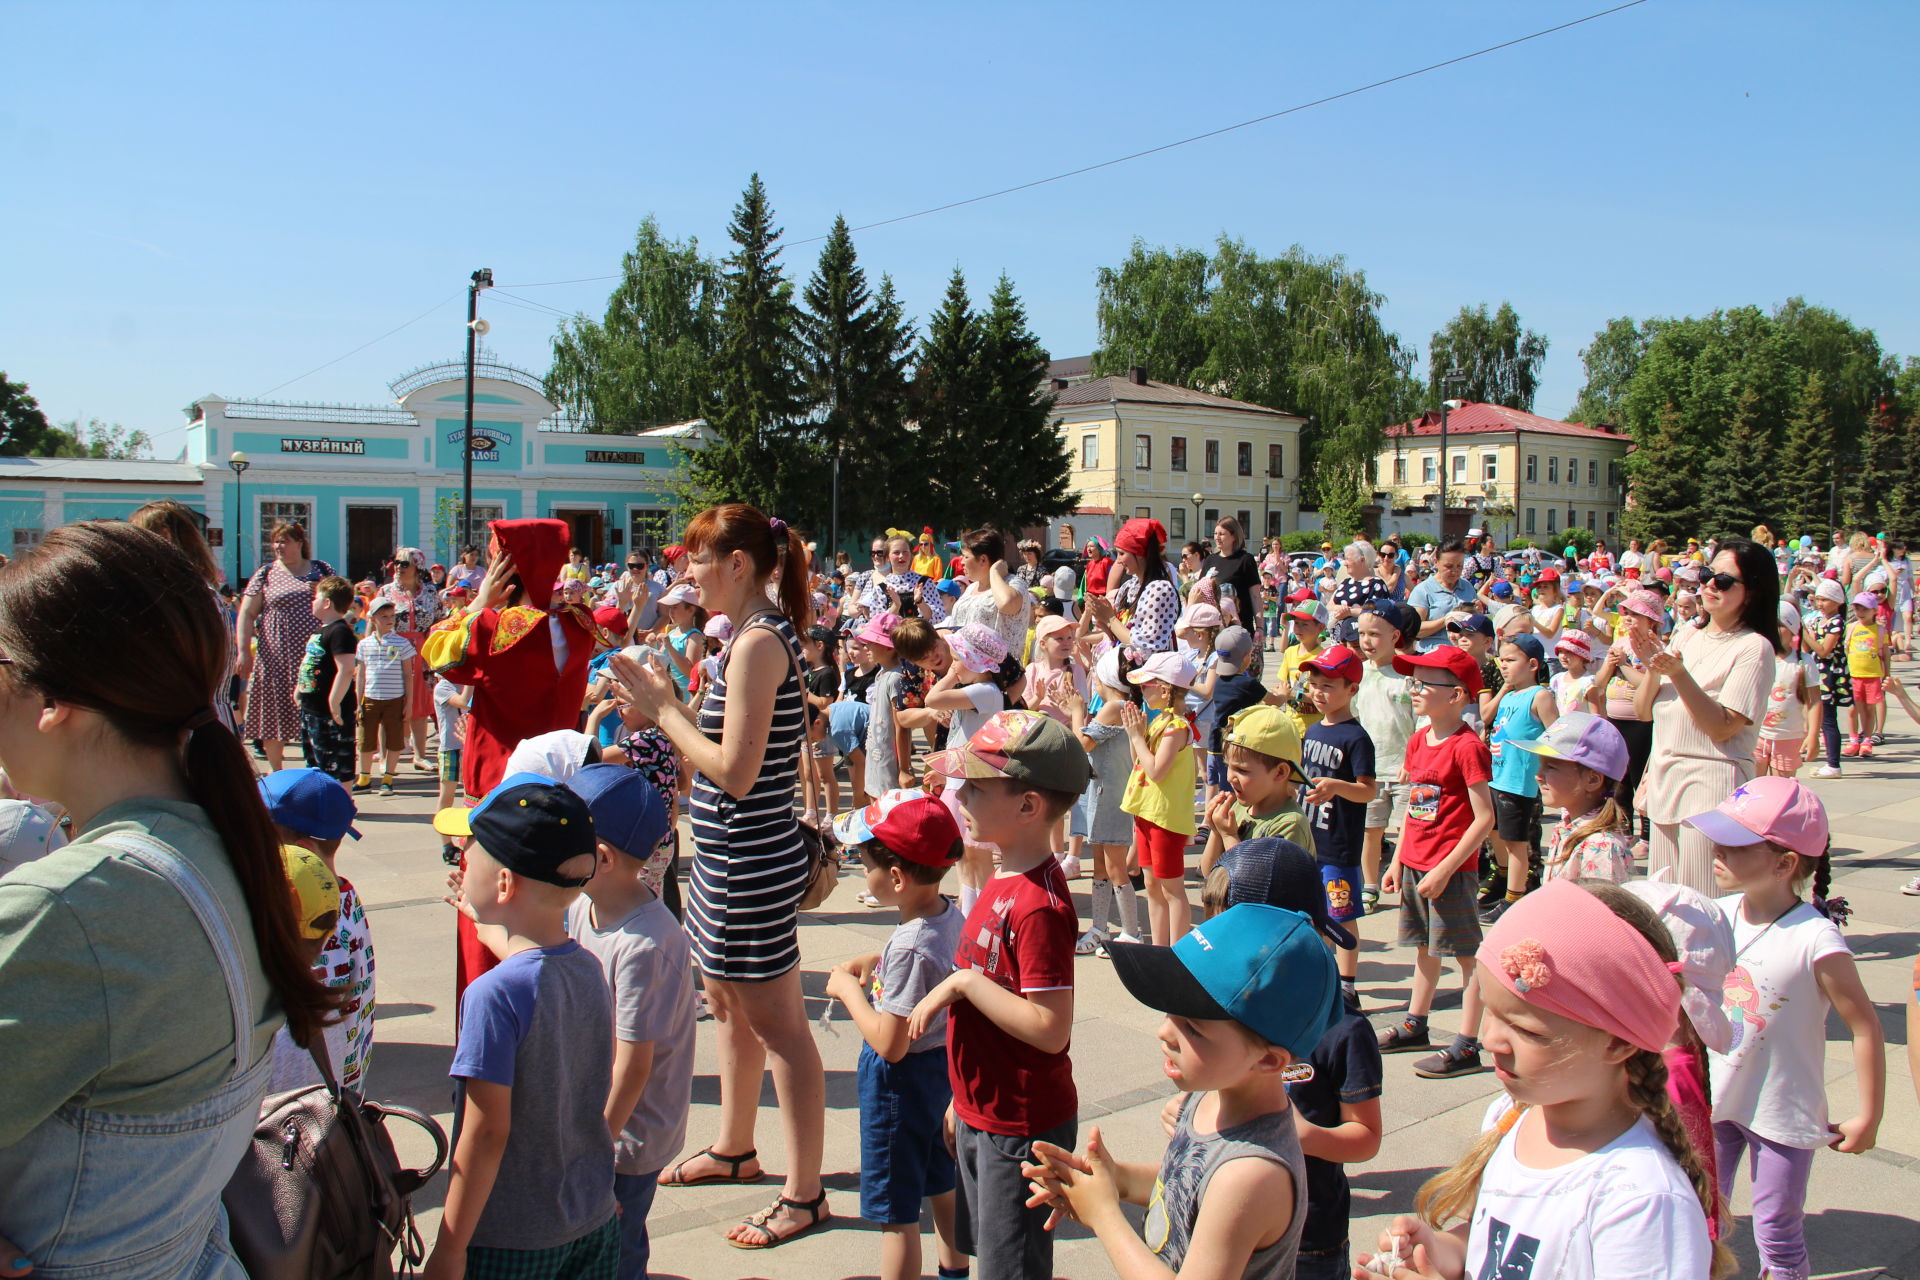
pixel 1772 1080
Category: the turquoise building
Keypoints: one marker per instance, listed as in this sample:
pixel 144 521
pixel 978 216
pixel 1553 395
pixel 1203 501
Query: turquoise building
pixel 366 479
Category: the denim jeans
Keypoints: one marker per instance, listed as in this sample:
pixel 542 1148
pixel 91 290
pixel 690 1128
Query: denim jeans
pixel 635 1191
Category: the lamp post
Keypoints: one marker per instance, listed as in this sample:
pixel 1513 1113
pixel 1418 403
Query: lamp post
pixel 238 461
pixel 1196 500
pixel 1448 380
pixel 482 279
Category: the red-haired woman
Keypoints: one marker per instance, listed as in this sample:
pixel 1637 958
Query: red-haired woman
pixel 749 866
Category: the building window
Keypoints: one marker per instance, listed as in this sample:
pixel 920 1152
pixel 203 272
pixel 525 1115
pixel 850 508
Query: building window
pixel 647 530
pixel 1246 523
pixel 1276 461
pixel 1573 517
pixel 1593 473
pixel 1609 524
pixel 1212 521
pixel 1213 457
pixel 1459 467
pixel 1089 452
pixel 1273 523
pixel 1429 469
pixel 1573 471
pixel 1589 519
pixel 1551 514
pixel 1489 466
pixel 1533 468
pixel 1553 471
pixel 1399 469
pixel 1143 453
pixel 1243 455
pixel 1143 513
pixel 1176 521
pixel 1177 453
pixel 24 539
pixel 1613 475
pixel 273 513
pixel 1530 521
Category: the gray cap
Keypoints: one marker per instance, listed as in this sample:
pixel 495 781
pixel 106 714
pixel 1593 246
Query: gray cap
pixel 1233 644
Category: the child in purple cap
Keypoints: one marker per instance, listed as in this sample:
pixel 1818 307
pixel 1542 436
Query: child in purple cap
pixel 1582 760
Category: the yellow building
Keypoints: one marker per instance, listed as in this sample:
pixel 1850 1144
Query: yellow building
pixel 1145 448
pixel 1521 474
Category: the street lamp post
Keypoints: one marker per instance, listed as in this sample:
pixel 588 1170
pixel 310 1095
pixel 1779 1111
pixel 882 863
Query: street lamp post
pixel 238 461
pixel 482 279
pixel 1196 499
pixel 1448 381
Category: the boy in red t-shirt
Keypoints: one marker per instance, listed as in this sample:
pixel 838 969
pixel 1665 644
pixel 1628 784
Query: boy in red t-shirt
pixel 1449 814
pixel 1010 999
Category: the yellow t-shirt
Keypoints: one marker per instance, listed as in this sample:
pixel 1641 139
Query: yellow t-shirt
pixel 1864 643
pixel 1167 803
pixel 1293 682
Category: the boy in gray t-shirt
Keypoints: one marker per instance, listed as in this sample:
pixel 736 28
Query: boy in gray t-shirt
pixel 907 840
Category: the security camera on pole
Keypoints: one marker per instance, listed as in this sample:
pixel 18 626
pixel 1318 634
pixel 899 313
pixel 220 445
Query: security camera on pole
pixel 476 329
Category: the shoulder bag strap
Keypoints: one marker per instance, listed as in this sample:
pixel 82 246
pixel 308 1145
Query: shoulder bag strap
pixel 192 885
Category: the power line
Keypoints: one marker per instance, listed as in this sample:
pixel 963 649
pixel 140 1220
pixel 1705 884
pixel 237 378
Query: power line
pixel 1169 146
pixel 363 346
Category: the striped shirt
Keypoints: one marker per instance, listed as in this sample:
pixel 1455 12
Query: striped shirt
pixel 384 659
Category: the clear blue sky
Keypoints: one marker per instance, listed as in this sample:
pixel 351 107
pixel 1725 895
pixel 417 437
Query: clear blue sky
pixel 208 198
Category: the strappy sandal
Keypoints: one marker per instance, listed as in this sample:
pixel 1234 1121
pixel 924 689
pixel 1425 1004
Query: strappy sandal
pixel 815 1208
pixel 672 1178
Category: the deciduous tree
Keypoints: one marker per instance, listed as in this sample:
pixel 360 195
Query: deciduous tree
pixel 1500 360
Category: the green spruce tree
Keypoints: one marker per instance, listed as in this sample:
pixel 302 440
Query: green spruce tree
pixel 947 392
pixel 1878 470
pixel 1665 492
pixel 767 451
pixel 854 348
pixel 1021 469
pixel 1742 486
pixel 1807 462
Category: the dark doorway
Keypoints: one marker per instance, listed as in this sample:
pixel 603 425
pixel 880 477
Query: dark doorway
pixel 589 532
pixel 372 534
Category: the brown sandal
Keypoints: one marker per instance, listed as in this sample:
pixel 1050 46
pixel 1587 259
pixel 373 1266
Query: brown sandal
pixel 672 1178
pixel 816 1209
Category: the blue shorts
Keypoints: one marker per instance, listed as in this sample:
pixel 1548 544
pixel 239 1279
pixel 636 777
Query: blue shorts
pixel 1341 883
pixel 847 727
pixel 1217 770
pixel 903 1153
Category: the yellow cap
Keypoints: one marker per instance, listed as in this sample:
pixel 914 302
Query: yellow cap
pixel 1268 729
pixel 454 820
pixel 316 894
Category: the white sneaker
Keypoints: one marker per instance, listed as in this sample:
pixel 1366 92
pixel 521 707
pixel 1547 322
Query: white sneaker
pixel 1106 948
pixel 1826 771
pixel 1911 888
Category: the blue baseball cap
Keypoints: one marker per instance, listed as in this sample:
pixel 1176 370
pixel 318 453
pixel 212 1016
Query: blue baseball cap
pixel 627 812
pixel 1478 622
pixel 1262 967
pixel 1530 644
pixel 1501 589
pixel 530 824
pixel 310 802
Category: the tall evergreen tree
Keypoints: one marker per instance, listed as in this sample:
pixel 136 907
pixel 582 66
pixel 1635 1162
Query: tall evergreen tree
pixel 1665 489
pixel 1878 469
pixel 1807 462
pixel 855 346
pixel 766 451
pixel 947 393
pixel 1021 467
pixel 1742 486
pixel 649 359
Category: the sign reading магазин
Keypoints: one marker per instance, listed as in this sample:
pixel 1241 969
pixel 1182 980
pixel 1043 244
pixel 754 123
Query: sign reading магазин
pixel 635 456
pixel 289 444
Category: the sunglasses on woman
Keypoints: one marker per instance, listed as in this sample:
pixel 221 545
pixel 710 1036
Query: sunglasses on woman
pixel 1725 581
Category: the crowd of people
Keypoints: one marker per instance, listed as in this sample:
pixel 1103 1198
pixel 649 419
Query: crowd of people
pixel 1576 776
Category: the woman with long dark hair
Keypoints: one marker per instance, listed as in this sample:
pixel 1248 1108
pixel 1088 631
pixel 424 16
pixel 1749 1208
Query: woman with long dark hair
pixel 750 866
pixel 132 1085
pixel 1705 695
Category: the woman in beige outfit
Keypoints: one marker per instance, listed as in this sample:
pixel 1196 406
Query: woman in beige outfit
pixel 1708 691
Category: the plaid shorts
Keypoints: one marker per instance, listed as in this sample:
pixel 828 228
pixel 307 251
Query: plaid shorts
pixel 594 1256
pixel 327 746
pixel 450 765
pixel 1448 925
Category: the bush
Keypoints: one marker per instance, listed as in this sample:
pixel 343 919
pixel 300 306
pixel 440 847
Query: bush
pixel 1303 540
pixel 1520 544
pixel 1579 537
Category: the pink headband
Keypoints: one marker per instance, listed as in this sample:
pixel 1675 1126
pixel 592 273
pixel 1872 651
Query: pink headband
pixel 1563 950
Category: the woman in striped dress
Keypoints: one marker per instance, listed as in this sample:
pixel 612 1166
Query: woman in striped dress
pixel 749 866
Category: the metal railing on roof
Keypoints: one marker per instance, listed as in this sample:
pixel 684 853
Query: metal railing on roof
pixel 358 414
pixel 486 366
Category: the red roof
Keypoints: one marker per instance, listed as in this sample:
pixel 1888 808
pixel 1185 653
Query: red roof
pixel 1484 419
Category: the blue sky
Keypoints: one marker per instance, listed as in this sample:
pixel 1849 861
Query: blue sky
pixel 210 198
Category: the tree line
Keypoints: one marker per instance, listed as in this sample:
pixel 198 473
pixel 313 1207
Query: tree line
pixel 25 431
pixel 949 427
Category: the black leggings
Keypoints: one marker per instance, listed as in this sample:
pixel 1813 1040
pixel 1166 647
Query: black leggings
pixel 1639 736
pixel 1830 732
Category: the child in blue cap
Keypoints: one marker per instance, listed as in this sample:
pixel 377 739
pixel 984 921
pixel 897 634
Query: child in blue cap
pixel 1247 994
pixel 313 811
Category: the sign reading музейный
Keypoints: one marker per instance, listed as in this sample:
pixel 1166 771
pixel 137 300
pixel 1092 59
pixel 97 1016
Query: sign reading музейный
pixel 290 444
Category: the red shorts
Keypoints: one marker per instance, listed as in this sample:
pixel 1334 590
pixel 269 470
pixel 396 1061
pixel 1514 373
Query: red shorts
pixel 1162 852
pixel 1868 690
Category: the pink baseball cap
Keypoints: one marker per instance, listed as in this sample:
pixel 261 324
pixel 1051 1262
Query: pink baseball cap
pixel 1780 811
pixel 1339 661
pixel 684 593
pixel 1866 600
pixel 879 629
pixel 1170 665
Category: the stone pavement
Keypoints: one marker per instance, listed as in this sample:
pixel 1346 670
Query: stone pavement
pixel 1861 1208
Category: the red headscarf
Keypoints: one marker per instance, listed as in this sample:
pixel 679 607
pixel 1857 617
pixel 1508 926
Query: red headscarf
pixel 1134 534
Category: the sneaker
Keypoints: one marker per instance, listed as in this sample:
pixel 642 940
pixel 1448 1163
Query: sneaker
pixel 362 783
pixel 1404 1038
pixel 1370 898
pixel 1350 999
pixel 1494 910
pixel 1866 746
pixel 1911 888
pixel 1105 949
pixel 1449 1062
pixel 1851 747
pixel 449 855
pixel 1827 771
pixel 867 900
pixel 386 786
pixel 1494 890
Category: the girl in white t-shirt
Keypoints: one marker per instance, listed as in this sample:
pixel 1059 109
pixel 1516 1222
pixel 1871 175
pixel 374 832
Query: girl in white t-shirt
pixel 1789 965
pixel 1584 1169
pixel 970 693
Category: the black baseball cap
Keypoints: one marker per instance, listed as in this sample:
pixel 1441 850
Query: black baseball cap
pixel 1279 873
pixel 531 825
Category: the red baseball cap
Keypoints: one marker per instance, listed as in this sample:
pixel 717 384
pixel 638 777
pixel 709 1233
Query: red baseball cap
pixel 1447 658
pixel 1338 660
pixel 609 618
pixel 912 823
pixel 1548 575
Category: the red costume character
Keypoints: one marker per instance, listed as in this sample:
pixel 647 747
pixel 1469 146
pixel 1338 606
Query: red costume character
pixel 526 663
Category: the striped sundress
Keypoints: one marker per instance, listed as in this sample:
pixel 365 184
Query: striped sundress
pixel 749 866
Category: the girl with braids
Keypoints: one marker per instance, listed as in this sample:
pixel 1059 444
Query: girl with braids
pixel 750 865
pixel 132 1086
pixel 1789 965
pixel 1583 1169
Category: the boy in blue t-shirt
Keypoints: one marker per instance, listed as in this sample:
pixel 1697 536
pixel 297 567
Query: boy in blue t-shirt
pixel 1337 756
pixel 531 1192
pixel 906 840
